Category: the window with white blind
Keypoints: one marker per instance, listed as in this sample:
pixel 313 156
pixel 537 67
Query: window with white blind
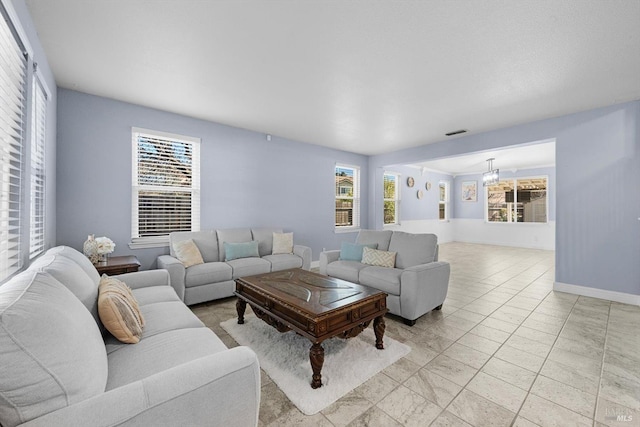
pixel 37 199
pixel 443 201
pixel 391 198
pixel 347 182
pixel 13 81
pixel 165 185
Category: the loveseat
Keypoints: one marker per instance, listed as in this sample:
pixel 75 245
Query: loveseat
pixel 59 367
pixel 215 278
pixel 416 283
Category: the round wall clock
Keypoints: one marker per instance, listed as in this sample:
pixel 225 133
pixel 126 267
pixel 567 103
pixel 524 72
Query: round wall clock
pixel 427 186
pixel 420 194
pixel 410 181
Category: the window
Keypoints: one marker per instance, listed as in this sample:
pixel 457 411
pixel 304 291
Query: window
pixel 166 186
pixel 37 202
pixel 13 82
pixel 347 197
pixel 443 204
pixel 518 200
pixel 391 198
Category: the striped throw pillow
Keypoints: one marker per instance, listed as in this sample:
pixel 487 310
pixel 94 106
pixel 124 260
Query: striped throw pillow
pixel 119 311
pixel 379 258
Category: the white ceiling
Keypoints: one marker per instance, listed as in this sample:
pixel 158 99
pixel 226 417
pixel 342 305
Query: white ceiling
pixel 364 76
pixel 514 158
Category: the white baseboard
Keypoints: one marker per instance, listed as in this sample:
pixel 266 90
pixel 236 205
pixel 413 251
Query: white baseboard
pixel 597 293
pixel 315 264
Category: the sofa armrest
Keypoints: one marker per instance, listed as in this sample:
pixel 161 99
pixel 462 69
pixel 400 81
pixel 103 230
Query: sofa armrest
pixel 143 279
pixel 303 252
pixel 423 287
pixel 326 258
pixel 222 389
pixel 176 272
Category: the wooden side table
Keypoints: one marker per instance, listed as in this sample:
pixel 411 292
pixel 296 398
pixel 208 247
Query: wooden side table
pixel 118 265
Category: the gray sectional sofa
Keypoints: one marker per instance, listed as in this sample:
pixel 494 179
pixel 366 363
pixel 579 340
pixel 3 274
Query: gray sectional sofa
pixel 417 283
pixel 216 277
pixel 60 368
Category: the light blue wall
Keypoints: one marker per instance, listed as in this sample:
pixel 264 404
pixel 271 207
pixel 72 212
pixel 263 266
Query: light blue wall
pixel 475 210
pixel 597 199
pixel 246 181
pixel 44 72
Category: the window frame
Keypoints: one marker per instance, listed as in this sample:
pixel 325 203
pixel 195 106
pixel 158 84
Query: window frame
pixel 515 186
pixel 396 199
pixel 137 241
pixel 356 199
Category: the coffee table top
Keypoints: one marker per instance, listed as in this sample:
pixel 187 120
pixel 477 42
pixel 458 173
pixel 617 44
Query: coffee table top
pixel 311 292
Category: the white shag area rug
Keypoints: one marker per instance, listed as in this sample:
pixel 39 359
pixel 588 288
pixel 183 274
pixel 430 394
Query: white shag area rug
pixel 285 358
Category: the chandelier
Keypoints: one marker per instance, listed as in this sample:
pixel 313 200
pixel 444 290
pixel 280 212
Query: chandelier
pixel 491 176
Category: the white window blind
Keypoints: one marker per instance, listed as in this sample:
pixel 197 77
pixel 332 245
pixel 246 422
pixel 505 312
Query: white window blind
pixel 166 185
pixel 12 124
pixel 347 207
pixel 37 201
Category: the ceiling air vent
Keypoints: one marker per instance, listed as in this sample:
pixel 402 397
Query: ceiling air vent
pixel 456 132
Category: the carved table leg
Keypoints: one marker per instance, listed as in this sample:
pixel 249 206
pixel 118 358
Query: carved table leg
pixel 241 306
pixel 378 327
pixel 316 356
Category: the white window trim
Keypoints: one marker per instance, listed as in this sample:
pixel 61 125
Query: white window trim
pixel 162 241
pixel 38 83
pixel 520 224
pixel 397 199
pixel 356 200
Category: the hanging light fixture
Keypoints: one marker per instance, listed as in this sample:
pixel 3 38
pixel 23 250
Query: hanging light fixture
pixel 491 176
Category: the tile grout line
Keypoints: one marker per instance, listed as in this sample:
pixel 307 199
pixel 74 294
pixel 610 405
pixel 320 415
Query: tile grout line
pixel 604 352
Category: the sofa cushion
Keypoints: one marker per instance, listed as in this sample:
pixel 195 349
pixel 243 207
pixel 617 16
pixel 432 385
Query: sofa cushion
pixel 381 237
pixel 379 258
pixel 345 270
pixel 232 235
pixel 413 249
pixel 249 266
pixel 51 351
pixel 119 311
pixel 80 259
pixel 159 318
pixel 68 272
pixel 241 250
pixel 283 261
pixel 382 278
pixel 282 243
pixel 187 253
pixel 209 272
pixel 353 251
pixel 206 241
pixel 160 352
pixel 154 294
pixel 264 236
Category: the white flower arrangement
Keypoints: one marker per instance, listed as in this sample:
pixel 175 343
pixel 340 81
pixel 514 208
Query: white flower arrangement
pixel 105 245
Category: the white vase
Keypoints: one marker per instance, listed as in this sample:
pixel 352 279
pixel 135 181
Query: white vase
pixel 90 248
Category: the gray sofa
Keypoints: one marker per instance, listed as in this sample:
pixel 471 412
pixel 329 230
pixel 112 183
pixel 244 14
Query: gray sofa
pixel 216 278
pixel 416 285
pixel 59 368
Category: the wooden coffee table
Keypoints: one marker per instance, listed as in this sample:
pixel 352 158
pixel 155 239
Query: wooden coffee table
pixel 315 306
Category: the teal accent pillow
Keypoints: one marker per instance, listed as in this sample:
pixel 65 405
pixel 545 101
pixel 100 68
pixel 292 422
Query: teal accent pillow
pixel 353 252
pixel 241 250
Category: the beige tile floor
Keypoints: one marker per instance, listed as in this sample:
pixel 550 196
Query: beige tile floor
pixel 505 350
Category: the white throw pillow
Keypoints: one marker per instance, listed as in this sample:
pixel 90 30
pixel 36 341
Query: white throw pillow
pixel 379 258
pixel 188 253
pixel 282 243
